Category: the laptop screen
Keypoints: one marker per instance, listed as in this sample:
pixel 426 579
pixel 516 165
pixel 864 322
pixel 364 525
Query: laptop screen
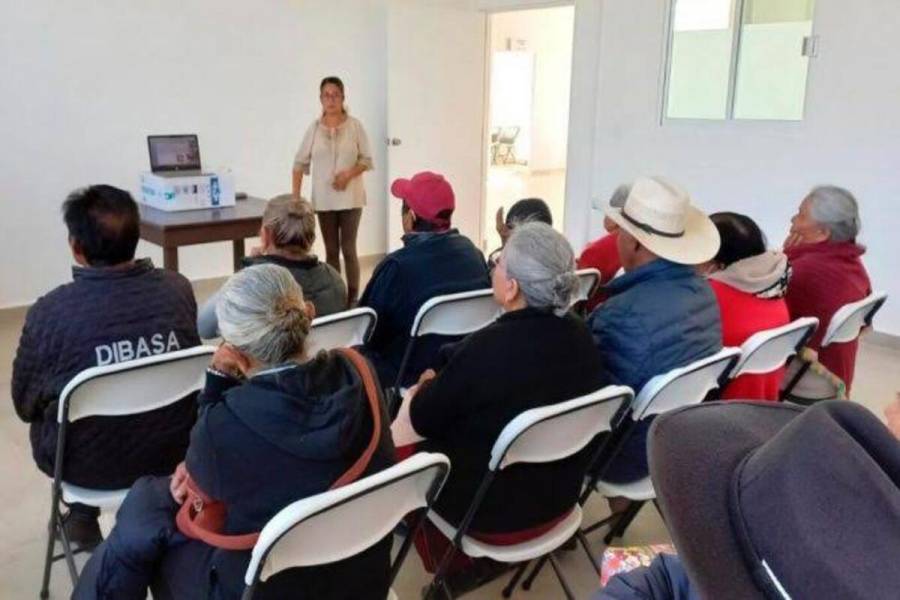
pixel 174 152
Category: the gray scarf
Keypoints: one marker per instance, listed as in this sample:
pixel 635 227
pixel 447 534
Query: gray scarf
pixel 764 275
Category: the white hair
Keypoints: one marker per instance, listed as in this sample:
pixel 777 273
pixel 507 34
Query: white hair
pixel 541 260
pixel 836 209
pixel 261 311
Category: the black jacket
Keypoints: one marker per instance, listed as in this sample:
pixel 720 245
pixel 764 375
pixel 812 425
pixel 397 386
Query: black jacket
pixel 526 359
pixel 321 284
pixel 428 265
pixel 105 315
pixel 286 434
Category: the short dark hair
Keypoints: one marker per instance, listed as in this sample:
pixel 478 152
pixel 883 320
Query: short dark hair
pixel 421 225
pixel 741 237
pixel 527 210
pixel 104 223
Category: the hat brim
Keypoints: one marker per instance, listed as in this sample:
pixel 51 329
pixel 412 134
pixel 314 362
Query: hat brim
pixel 693 453
pixel 699 243
pixel 400 188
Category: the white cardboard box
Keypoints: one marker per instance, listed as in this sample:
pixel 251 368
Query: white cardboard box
pixel 187 192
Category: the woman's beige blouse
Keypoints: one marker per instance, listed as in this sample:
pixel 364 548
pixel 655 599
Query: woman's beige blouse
pixel 329 151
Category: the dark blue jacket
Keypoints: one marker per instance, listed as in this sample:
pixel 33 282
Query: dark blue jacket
pixel 286 434
pixel 428 265
pixel 105 316
pixel 658 317
pixel 664 579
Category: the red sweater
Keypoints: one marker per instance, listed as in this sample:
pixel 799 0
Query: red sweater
pixel 827 276
pixel 603 255
pixel 743 314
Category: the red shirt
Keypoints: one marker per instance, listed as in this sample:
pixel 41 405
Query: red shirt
pixel 827 276
pixel 743 314
pixel 603 255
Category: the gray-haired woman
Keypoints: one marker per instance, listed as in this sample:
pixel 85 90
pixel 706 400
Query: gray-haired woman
pixel 274 426
pixel 535 354
pixel 286 237
pixel 827 269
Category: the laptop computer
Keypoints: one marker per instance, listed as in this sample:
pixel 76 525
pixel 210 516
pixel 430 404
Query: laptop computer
pixel 174 155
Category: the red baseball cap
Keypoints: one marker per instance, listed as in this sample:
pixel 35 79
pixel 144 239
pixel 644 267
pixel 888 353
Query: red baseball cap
pixel 427 194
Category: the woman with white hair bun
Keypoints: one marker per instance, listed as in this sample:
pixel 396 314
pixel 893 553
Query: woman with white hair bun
pixel 274 426
pixel 535 354
pixel 827 269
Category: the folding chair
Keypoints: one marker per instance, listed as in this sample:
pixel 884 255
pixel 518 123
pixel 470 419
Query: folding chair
pixel 121 389
pixel 540 435
pixel 691 384
pixel 341 330
pixel 845 326
pixel 343 522
pixel 768 350
pixel 453 314
pixel 588 280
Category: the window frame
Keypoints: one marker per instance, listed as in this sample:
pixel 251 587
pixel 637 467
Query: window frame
pixel 737 25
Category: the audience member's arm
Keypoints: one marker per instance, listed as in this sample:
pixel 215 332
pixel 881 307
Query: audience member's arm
pixel 32 384
pixel 207 322
pixel 381 296
pixel 440 401
pixel 618 335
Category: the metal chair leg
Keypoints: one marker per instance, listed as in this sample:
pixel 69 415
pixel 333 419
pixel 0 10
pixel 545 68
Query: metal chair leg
pixel 51 542
pixel 562 580
pixel 67 550
pixel 526 585
pixel 622 523
pixel 508 590
pixel 587 550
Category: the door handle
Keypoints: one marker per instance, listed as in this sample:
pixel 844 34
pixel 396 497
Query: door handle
pixel 393 141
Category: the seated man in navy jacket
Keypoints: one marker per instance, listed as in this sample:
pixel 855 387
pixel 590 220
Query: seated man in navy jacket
pixel 435 260
pixel 115 309
pixel 661 314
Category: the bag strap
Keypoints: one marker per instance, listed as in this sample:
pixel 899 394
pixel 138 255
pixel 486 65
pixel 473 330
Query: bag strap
pixel 371 389
pixel 189 516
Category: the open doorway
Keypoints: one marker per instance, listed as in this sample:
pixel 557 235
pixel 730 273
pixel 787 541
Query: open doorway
pixel 530 71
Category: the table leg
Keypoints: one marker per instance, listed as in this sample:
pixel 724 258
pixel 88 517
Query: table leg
pixel 238 254
pixel 170 257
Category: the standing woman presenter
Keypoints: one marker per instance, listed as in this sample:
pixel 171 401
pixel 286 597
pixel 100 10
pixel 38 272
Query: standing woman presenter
pixel 336 149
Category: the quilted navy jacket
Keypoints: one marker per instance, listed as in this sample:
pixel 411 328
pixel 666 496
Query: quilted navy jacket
pixel 104 316
pixel 659 317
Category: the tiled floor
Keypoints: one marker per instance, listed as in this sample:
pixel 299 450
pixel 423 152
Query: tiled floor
pixel 24 494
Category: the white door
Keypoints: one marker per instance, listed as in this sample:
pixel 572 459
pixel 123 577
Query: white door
pixel 436 78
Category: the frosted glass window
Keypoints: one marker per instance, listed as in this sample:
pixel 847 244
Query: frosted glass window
pixel 738 59
pixel 700 59
pixel 772 67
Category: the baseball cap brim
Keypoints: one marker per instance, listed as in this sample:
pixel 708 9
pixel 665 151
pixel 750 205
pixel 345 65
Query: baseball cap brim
pixel 699 243
pixel 693 485
pixel 401 188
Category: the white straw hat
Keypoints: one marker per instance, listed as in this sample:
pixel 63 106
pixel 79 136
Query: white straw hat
pixel 659 215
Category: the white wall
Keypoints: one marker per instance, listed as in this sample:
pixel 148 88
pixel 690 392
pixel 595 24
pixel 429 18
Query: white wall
pixel 850 135
pixel 546 32
pixel 85 82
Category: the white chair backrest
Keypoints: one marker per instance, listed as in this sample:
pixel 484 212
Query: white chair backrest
pixel 766 351
pixel 135 386
pixel 341 330
pixel 456 314
pixel 587 281
pixel 553 432
pixel 685 385
pixel 850 319
pixel 343 522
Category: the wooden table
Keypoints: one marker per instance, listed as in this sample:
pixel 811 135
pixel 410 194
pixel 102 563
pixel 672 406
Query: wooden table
pixel 184 228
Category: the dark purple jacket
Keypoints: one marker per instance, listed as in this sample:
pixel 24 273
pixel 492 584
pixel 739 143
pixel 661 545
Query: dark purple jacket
pixel 104 316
